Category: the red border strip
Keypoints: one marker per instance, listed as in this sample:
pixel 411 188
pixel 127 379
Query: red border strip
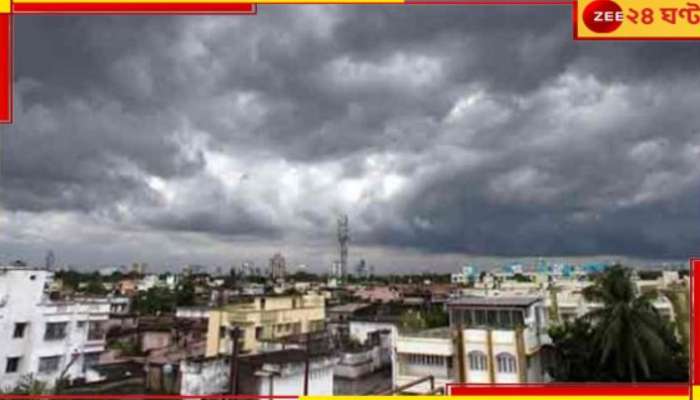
pixel 6 63
pixel 694 325
pixel 556 389
pixel 134 8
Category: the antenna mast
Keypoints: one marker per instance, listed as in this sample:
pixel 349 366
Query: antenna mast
pixel 343 241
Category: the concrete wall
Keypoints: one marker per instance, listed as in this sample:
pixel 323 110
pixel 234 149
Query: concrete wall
pixel 155 340
pixel 355 365
pixel 292 384
pixel 206 377
pixel 211 376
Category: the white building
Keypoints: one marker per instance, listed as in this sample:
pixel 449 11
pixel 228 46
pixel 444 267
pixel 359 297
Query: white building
pixel 148 282
pixel 360 328
pixel 489 340
pixel 572 304
pixel 467 273
pixel 374 354
pixel 44 337
pixel 119 305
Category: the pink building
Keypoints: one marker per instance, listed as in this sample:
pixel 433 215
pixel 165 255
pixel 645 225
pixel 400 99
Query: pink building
pixel 383 294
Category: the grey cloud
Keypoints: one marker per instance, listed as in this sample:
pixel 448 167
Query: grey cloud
pixel 558 148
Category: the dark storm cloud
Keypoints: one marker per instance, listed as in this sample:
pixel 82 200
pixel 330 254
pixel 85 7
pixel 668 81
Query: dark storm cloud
pixel 447 129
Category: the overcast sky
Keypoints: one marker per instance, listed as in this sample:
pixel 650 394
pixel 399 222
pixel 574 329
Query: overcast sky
pixel 443 132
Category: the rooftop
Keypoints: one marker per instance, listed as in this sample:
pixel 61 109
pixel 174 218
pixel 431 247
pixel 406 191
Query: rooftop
pixel 493 301
pixel 350 307
pixel 438 333
pixel 289 356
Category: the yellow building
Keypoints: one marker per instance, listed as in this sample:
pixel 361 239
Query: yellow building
pixel 264 318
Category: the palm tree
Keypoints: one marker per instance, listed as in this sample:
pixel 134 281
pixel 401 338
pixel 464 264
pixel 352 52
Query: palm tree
pixel 628 332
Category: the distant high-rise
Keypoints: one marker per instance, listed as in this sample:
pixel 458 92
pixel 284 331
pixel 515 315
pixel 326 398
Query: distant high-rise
pixel 50 260
pixel 248 268
pixel 278 266
pixel 361 269
pixel 343 241
pixel 335 269
pixel 139 269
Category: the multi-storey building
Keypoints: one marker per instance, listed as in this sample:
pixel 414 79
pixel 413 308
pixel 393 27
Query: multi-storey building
pixel 467 274
pixel 264 318
pixel 489 340
pixel 42 335
pixel 278 266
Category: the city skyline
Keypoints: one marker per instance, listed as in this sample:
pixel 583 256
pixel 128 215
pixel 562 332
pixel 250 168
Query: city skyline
pixel 172 140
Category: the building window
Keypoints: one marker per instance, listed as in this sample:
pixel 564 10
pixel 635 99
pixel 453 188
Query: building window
pixel 55 330
pixel 95 331
pixel 467 317
pixel 456 317
pixel 506 363
pixel 49 364
pixel 480 317
pixel 12 365
pixel 259 332
pixel 424 359
pixel 19 330
pixel 518 318
pixel 505 318
pixel 477 361
pixel 492 317
pixel 262 304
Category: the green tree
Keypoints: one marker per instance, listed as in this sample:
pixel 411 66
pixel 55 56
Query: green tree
pixel 576 358
pixel 185 293
pixel 156 300
pixel 627 329
pixel 436 317
pixel 521 278
pixel 412 320
pixel 626 339
pixel 127 348
pixel 95 287
pixel 71 279
pixel 304 276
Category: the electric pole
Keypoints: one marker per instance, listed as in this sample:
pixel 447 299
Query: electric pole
pixel 235 334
